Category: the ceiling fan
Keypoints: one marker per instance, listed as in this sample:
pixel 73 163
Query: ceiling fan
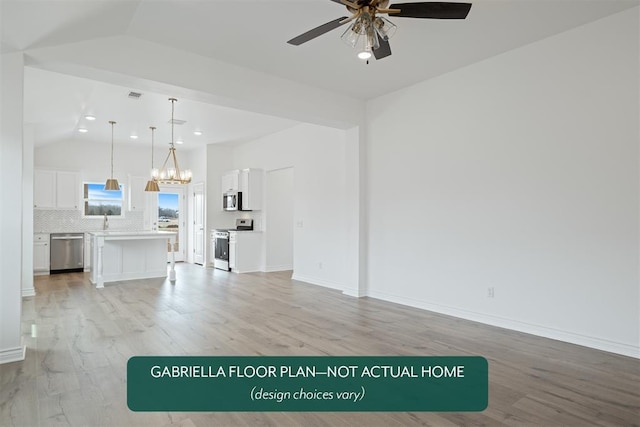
pixel 374 30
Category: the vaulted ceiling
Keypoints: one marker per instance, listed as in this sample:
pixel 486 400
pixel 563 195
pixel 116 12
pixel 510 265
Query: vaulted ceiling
pixel 253 35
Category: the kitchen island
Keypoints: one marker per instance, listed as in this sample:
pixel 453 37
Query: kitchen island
pixel 129 255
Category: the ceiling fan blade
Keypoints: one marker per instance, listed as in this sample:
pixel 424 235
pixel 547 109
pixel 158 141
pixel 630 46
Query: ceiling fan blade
pixel 384 50
pixel 318 31
pixel 433 10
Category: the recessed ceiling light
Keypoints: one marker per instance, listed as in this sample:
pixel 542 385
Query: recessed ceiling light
pixel 83 130
pixel 197 132
pixel 179 142
pixel 90 117
pixel 134 137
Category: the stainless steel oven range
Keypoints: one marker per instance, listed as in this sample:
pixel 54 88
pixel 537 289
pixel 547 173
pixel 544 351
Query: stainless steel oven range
pixel 221 245
pixel 221 242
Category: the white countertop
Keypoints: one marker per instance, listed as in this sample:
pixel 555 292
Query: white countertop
pixel 113 235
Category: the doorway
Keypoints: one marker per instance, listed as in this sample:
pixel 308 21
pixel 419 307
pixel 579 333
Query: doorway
pixel 198 224
pixel 171 217
pixel 279 220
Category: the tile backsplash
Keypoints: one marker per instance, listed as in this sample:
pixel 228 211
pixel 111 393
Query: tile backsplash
pixel 62 221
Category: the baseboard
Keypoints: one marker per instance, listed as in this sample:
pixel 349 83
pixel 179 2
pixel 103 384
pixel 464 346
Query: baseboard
pixel 354 292
pixel 28 292
pixel 515 325
pixel 318 282
pixel 246 271
pixel 273 268
pixel 13 354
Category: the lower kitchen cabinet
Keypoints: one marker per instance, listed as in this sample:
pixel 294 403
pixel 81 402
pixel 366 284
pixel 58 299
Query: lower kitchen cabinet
pixel 41 253
pixel 245 251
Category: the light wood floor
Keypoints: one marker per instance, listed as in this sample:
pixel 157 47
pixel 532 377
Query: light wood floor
pixel 75 370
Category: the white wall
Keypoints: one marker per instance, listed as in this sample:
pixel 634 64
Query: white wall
pixel 279 219
pixel 320 194
pixel 93 161
pixel 518 173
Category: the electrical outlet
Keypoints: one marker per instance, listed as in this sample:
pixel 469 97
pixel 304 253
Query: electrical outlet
pixel 490 292
pixel 320 266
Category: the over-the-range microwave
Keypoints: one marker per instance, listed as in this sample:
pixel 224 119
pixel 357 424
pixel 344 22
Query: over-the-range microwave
pixel 232 201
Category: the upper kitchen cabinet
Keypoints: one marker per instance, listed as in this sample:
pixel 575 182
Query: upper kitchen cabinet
pixel 229 182
pixel 67 190
pixel 44 189
pixel 250 185
pixel 56 190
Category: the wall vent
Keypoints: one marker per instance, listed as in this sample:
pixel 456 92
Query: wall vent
pixel 135 95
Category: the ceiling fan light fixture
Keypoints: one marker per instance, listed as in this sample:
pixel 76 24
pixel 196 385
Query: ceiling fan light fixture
pixel 366 22
pixel 350 37
pixel 370 43
pixel 385 28
pixel 364 55
pixel 361 26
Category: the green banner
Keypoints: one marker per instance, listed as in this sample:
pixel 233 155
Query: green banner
pixel 315 383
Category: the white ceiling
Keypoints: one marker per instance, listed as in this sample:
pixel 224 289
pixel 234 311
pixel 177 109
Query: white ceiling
pixel 253 34
pixel 56 105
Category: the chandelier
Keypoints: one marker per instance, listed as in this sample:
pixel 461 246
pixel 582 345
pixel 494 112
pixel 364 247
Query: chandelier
pixel 170 172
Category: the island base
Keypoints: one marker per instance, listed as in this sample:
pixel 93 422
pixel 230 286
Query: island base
pixel 120 257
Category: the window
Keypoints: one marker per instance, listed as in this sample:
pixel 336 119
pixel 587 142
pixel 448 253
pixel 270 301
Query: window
pixel 98 202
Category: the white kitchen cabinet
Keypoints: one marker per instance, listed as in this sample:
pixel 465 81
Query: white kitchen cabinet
pixel 232 250
pixel 41 253
pixel 245 251
pixel 56 190
pixel 250 184
pixel 67 190
pixel 137 195
pixel 229 182
pixel 44 189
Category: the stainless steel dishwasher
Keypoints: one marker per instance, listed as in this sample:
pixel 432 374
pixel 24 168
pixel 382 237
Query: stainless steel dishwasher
pixel 67 252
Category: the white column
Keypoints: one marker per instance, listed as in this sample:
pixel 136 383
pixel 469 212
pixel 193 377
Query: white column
pixel 100 262
pixel 11 122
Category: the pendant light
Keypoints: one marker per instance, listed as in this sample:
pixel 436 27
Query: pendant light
pixel 152 184
pixel 112 183
pixel 171 174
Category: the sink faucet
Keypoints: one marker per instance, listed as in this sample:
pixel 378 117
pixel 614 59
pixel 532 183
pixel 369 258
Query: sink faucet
pixel 105 223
